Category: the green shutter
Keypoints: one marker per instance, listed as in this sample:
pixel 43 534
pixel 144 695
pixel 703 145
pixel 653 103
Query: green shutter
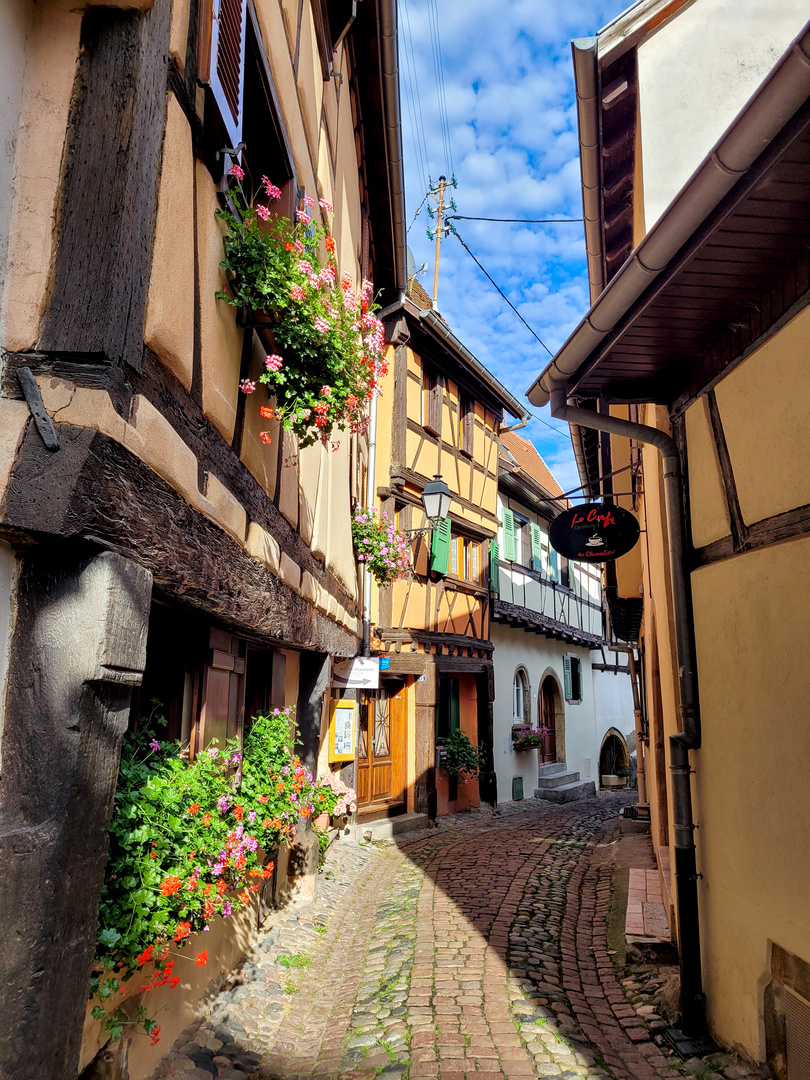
pixel 440 549
pixel 554 572
pixel 537 547
pixel 567 677
pixel 455 706
pixel 509 548
pixel 494 566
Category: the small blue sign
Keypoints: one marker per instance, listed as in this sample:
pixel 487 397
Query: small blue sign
pixel 385 663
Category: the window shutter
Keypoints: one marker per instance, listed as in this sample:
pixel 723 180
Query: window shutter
pixel 440 550
pixel 567 677
pixel 537 548
pixel 509 550
pixel 435 405
pixel 227 63
pixel 494 566
pixel 553 572
pixel 223 693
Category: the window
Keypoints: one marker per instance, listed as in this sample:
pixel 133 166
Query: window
pixel 466 437
pixel 431 400
pixel 448 711
pixel 564 575
pixel 465 559
pixel 521 707
pixel 573 677
pixel 241 104
pixel 523 540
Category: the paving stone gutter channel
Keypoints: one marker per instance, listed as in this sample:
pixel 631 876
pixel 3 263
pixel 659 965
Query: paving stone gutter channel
pixel 476 949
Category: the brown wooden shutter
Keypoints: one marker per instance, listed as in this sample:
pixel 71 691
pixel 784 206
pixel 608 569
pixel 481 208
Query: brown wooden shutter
pixel 226 63
pixel 435 404
pixel 222 712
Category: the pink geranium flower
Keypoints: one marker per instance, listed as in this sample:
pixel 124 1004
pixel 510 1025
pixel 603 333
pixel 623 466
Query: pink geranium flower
pixel 270 189
pixel 273 363
pixel 263 212
pixel 247 386
pixel 325 205
pixel 237 171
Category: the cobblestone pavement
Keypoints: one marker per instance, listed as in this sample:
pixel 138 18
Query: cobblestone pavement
pixel 478 949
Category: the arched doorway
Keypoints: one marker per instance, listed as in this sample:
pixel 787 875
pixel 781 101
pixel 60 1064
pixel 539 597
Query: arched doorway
pixel 551 718
pixel 614 760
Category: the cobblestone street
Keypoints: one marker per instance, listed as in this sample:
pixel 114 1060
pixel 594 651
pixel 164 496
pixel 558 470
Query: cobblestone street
pixel 476 949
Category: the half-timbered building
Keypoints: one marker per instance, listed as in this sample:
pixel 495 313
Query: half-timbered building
pixel 441 413
pixel 554 669
pixel 690 374
pixel 157 527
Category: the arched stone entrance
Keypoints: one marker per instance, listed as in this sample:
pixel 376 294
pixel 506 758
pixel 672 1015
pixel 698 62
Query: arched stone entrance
pixel 551 715
pixel 614 760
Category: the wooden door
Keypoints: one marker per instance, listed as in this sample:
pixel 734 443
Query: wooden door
pixel 548 751
pixel 381 751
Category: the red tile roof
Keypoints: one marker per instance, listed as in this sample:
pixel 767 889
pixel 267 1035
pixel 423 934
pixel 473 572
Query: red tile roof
pixel 526 456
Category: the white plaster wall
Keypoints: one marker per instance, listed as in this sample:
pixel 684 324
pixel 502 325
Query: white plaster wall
pixel 15 18
pixel 8 587
pixel 695 74
pixel 536 654
pixel 613 707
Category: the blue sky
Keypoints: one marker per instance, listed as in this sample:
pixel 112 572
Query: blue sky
pixel 511 119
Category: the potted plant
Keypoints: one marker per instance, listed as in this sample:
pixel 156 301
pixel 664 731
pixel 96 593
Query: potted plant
pixel 527 738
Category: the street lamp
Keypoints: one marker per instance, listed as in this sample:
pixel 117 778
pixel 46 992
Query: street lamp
pixel 436 499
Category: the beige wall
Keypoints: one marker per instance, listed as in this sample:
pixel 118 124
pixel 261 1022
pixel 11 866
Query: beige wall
pixel 752 629
pixel 751 633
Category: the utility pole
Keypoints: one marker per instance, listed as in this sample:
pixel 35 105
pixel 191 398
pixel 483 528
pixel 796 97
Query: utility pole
pixel 437 191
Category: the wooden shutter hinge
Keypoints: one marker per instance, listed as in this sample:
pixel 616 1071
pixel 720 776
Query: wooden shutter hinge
pixel 44 424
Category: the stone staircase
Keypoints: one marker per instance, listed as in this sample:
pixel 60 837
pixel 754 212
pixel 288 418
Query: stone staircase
pixel 556 784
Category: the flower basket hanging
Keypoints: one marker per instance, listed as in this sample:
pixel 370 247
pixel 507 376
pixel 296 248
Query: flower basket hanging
pixel 284 276
pixel 383 548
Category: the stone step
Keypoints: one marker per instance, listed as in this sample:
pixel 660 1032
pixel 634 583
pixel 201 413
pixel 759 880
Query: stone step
pixel 580 789
pixel 557 779
pixel 551 767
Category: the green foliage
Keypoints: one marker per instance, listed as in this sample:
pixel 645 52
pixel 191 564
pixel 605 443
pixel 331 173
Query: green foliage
pixel 331 343
pixel 188 843
pixel 527 738
pixel 383 548
pixel 463 759
pixel 295 960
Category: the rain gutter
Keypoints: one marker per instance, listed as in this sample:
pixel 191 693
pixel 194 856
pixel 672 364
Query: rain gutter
pixel 783 92
pixel 586 79
pixel 392 114
pixel 693 1008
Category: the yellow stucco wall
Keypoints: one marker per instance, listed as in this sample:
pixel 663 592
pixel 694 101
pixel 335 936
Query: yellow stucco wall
pixel 707 498
pixel 752 627
pixel 763 406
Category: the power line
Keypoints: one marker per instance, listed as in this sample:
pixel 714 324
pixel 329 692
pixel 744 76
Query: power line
pixel 438 71
pixel 416 215
pixel 503 294
pixel 519 221
pixel 415 99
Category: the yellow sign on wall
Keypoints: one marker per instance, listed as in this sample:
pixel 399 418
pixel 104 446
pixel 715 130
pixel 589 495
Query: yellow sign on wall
pixel 342 730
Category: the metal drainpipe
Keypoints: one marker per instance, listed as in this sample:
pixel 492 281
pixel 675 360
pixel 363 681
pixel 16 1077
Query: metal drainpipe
pixel 693 1007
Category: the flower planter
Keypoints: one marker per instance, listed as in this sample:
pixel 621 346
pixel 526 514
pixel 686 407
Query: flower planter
pixel 321 822
pixel 610 780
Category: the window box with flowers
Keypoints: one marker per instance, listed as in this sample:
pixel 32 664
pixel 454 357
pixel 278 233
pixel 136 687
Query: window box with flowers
pixel 190 842
pixel 526 738
pixel 330 343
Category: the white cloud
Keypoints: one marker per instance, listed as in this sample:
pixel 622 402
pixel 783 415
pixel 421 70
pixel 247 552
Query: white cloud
pixel 511 108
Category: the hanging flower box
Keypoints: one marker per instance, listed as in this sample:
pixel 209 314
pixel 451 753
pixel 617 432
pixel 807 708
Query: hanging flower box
pixel 383 548
pixel 284 277
pixel 526 738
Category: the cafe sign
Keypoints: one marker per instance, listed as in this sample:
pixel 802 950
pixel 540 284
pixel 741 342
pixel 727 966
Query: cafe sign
pixel 596 532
